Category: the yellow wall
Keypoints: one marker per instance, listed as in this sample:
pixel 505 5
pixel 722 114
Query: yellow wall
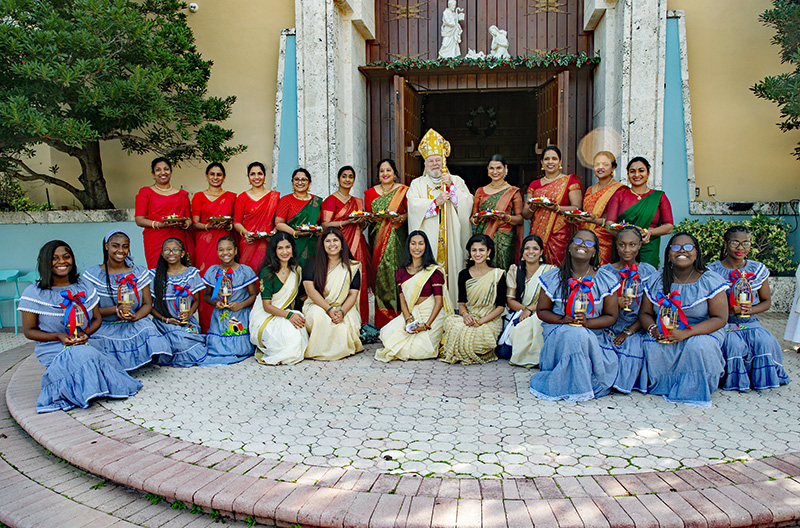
pixel 738 147
pixel 242 38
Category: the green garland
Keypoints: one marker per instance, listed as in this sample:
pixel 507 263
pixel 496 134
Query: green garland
pixel 543 60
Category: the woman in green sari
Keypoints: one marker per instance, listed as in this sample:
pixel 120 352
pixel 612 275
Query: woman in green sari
pixel 497 213
pixel 647 209
pixel 296 212
pixel 387 237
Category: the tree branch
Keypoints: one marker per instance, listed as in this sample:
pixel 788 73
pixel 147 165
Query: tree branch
pixel 32 175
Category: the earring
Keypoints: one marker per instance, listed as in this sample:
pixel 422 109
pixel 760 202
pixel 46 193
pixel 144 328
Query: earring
pixel 560 167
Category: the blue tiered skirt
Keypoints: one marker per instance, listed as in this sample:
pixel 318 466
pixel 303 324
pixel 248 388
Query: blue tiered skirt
pixel 78 374
pixel 187 345
pixel 228 344
pixel 133 344
pixel 576 364
pixel 688 371
pixel 753 357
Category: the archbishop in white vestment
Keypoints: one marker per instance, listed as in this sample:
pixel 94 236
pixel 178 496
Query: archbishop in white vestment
pixel 440 204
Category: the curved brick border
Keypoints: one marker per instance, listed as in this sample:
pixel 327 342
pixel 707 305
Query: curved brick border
pixel 763 492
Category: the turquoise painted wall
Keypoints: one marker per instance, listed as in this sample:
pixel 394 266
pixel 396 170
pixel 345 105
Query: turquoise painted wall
pixel 23 241
pixel 288 157
pixel 675 169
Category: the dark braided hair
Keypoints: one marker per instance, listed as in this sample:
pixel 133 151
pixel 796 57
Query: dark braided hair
pixel 522 272
pixel 105 260
pixel 160 279
pixel 629 229
pixel 566 266
pixel 723 251
pixel 668 275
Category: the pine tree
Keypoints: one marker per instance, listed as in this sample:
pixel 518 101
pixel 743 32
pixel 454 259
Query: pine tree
pixel 784 89
pixel 74 73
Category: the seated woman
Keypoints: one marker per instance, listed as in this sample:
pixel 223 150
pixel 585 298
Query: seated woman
pixel 627 332
pixel 684 310
pixel 277 329
pixel 471 336
pixel 420 282
pixel 522 335
pixel 127 333
pixel 332 282
pixel 60 313
pixel 175 299
pixel 577 361
pixel 753 357
pixel 228 337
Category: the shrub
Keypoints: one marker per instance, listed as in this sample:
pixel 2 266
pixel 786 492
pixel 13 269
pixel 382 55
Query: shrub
pixel 13 197
pixel 770 246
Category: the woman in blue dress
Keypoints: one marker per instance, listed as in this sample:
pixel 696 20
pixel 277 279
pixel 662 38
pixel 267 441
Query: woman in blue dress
pixel 577 361
pixel 627 333
pixel 228 337
pixel 60 313
pixel 753 357
pixel 684 310
pixel 175 283
pixel 127 333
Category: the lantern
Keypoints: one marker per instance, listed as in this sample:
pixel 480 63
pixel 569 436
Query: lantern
pixel 580 304
pixel 226 289
pixel 669 319
pixel 743 294
pixel 80 321
pixel 185 307
pixel 630 289
pixel 125 297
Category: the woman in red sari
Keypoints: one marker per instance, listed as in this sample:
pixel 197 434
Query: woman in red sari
pixel 564 193
pixel 254 216
pixel 218 204
pixel 596 201
pixel 388 237
pixel 336 210
pixel 163 211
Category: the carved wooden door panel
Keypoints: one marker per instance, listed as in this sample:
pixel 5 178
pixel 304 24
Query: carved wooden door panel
pixel 553 118
pixel 407 129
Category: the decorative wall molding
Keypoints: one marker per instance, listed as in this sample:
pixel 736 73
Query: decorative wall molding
pixel 67 217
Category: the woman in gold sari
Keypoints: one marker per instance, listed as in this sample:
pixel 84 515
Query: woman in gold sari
pixel 388 233
pixel 417 331
pixel 549 196
pixel 277 329
pixel 596 200
pixel 497 213
pixel 523 332
pixel 332 283
pixel 471 336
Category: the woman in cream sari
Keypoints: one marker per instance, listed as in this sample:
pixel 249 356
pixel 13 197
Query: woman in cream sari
pixel 332 282
pixel 523 331
pixel 471 336
pixel 276 329
pixel 416 333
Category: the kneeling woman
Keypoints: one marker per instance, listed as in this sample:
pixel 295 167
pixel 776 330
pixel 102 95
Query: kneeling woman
pixel 176 286
pixel 276 329
pixel 627 332
pixel 577 361
pixel 753 356
pixel 127 333
pixel 684 310
pixel 60 312
pixel 523 331
pixel 332 282
pixel 420 282
pixel 231 288
pixel 471 336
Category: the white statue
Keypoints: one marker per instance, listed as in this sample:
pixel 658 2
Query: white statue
pixel 451 31
pixel 472 54
pixel 499 43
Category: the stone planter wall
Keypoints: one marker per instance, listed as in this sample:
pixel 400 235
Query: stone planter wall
pixel 782 289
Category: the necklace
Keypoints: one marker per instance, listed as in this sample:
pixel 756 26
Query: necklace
pixel 688 279
pixel 579 279
pixel 502 184
pixel 551 178
pixel 638 195
pixel 342 196
pixel 161 189
pixel 386 191
pixel 220 193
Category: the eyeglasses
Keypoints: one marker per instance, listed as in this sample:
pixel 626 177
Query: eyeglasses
pixel 171 251
pixel 678 247
pixel 300 180
pixel 735 244
pixel 582 242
